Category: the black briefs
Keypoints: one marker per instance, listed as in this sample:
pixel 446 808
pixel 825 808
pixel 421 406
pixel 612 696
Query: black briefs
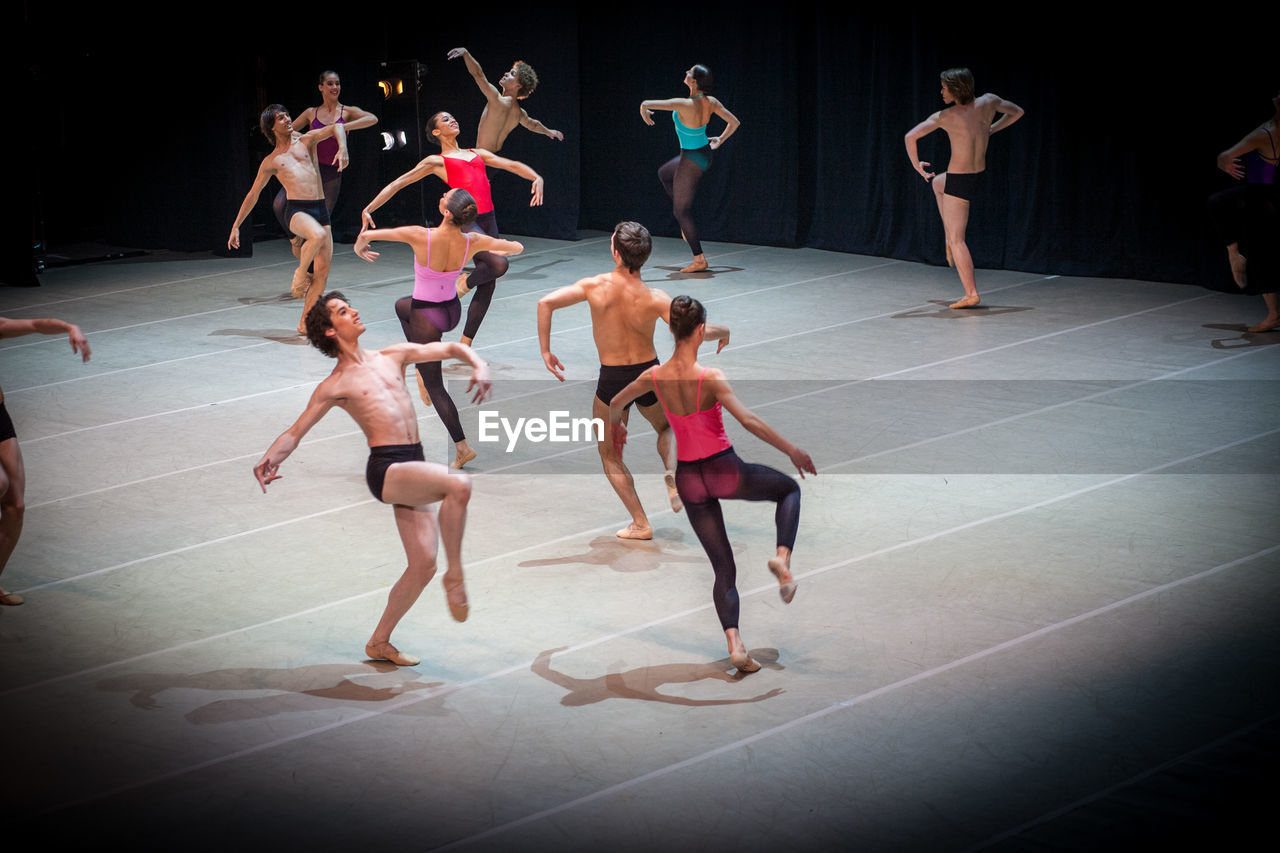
pixel 962 184
pixel 313 206
pixel 6 424
pixel 615 377
pixel 383 457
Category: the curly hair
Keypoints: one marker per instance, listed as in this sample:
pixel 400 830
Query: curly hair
pixel 319 321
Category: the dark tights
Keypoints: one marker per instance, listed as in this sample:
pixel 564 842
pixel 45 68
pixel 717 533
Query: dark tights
pixel 680 176
pixel 703 484
pixel 425 323
pixel 483 280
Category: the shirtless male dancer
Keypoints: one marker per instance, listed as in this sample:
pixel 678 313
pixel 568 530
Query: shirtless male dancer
pixel 502 110
pixel 370 386
pixel 968 123
pixel 293 162
pixel 13 474
pixel 624 311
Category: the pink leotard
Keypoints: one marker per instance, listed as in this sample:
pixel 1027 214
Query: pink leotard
pixel 700 434
pixel 436 285
pixel 327 149
pixel 470 175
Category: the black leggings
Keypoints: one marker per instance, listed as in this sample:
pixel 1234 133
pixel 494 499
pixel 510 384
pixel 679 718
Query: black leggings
pixel 680 176
pixel 703 484
pixel 425 323
pixel 489 268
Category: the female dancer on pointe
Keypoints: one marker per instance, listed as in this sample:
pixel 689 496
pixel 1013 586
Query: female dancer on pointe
pixel 434 307
pixel 332 158
pixel 1253 207
pixel 708 469
pixel 464 170
pixel 680 175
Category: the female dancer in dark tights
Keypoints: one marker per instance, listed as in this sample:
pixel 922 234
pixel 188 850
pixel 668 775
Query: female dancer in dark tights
pixel 709 470
pixel 331 157
pixel 464 170
pixel 680 175
pixel 439 254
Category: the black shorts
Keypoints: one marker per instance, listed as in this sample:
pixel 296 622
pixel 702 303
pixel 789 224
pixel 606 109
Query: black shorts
pixel 615 377
pixel 313 206
pixel 383 457
pixel 963 185
pixel 6 425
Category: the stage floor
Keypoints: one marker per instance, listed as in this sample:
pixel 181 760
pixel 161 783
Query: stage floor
pixel 1038 574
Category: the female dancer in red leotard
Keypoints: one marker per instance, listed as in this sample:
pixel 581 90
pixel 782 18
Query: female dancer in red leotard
pixel 464 170
pixel 708 470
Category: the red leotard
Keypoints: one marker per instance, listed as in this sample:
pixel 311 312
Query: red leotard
pixel 469 175
pixel 700 434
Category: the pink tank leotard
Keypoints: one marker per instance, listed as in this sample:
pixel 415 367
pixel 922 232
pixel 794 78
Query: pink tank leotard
pixel 436 285
pixel 470 175
pixel 327 149
pixel 700 434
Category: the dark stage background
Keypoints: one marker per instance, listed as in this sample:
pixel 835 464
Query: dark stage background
pixel 143 126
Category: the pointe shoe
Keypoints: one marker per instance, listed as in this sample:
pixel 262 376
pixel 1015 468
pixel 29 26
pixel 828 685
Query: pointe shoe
pixel 786 591
pixel 386 651
pixel 459 461
pixel 301 283
pixel 967 302
pixel 459 612
pixel 744 662
pixel 633 532
pixel 10 599
pixel 672 493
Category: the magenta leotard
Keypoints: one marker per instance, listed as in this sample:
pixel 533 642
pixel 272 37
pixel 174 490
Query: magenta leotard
pixel 436 285
pixel 700 434
pixel 470 175
pixel 328 148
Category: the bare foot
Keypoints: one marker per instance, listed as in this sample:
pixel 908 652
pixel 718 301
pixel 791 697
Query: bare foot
pixel 461 286
pixel 456 597
pixel 673 494
pixel 463 457
pixel 301 283
pixel 10 599
pixel 743 661
pixel 633 531
pixel 386 651
pixel 968 302
pixel 786 585
pixel 1268 325
pixel 699 264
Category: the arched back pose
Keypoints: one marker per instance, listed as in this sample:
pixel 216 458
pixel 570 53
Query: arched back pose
pixel 369 385
pixel 293 163
pixel 708 469
pixel 968 123
pixel 439 254
pixel 332 158
pixel 13 474
pixel 1254 206
pixel 681 174
pixel 464 170
pixel 502 109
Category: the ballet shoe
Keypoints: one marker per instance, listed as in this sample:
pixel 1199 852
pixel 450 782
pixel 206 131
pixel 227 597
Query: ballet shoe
pixel 967 302
pixel 462 459
pixel 672 493
pixel 10 599
pixel 301 283
pixel 631 531
pixel 743 662
pixel 459 612
pixel 1268 325
pixel 386 651
pixel 461 286
pixel 696 266
pixel 422 389
pixel 786 591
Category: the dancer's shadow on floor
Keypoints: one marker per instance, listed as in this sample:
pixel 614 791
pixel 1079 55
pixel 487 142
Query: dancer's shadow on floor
pixel 626 555
pixel 643 682
pixel 532 273
pixel 279 336
pixel 674 274
pixel 943 312
pixel 1244 338
pixel 304 688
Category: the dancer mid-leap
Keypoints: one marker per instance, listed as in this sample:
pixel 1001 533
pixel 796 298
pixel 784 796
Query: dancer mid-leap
pixel 502 110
